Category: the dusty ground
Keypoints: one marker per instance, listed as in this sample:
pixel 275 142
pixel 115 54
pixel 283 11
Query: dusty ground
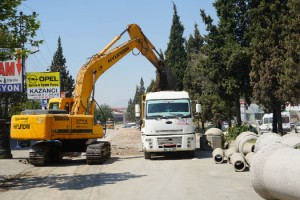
pixel 125 141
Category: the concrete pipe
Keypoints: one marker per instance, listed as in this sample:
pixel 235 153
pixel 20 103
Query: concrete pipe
pixel 218 155
pixel 275 172
pixel 249 158
pixel 266 139
pixel 241 136
pixel 229 152
pixel 291 139
pixel 215 138
pixel 245 141
pixel 248 148
pixel 238 162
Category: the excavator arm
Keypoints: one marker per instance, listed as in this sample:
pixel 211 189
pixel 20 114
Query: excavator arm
pixel 102 61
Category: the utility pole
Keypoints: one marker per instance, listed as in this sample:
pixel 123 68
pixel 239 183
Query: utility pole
pixel 22 34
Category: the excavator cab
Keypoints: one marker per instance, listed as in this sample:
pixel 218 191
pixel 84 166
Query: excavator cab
pixel 61 104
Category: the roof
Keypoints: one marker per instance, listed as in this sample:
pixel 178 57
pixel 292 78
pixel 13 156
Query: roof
pixel 167 95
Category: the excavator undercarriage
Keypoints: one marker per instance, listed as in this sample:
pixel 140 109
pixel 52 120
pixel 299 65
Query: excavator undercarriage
pixel 52 151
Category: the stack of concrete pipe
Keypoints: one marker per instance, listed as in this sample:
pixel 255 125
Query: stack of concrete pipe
pixel 236 155
pixel 274 162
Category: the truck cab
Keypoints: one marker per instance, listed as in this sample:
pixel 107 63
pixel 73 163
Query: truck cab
pixel 167 123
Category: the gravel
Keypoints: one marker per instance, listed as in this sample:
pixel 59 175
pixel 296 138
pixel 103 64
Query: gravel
pixel 125 141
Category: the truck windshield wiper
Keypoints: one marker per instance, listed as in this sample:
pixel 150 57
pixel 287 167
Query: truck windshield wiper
pixel 157 117
pixel 179 115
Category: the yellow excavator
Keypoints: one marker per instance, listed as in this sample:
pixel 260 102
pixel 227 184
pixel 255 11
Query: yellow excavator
pixel 68 125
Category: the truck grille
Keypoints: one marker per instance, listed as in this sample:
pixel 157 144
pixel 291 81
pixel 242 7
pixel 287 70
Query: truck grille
pixel 164 142
pixel 170 131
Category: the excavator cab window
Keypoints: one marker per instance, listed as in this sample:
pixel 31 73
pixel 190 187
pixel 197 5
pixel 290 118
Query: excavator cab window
pixel 54 106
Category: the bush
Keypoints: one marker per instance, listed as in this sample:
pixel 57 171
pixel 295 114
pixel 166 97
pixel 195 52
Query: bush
pixel 235 130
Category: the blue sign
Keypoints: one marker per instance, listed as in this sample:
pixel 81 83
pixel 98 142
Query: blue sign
pixel 11 87
pixel 44 103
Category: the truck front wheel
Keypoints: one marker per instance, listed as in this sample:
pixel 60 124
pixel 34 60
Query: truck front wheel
pixel 147 155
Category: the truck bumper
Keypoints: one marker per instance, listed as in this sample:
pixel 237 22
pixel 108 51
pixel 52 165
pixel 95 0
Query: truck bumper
pixel 169 143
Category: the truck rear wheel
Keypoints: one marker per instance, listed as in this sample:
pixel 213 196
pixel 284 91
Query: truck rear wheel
pixel 147 155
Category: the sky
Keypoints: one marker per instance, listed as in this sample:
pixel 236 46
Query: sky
pixel 86 27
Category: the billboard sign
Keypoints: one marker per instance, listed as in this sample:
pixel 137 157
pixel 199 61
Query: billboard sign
pixel 10 75
pixel 43 85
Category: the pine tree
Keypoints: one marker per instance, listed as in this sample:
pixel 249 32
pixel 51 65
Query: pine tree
pixel 59 65
pixel 269 74
pixel 194 43
pixel 228 62
pixel 139 91
pixel 176 55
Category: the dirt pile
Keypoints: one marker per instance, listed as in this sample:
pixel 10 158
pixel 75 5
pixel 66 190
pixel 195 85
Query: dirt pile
pixel 126 141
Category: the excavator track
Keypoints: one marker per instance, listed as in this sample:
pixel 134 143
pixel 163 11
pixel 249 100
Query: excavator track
pixel 98 152
pixel 45 152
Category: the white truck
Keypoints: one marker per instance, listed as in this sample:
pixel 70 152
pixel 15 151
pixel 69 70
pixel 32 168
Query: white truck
pixel 167 123
pixel 267 121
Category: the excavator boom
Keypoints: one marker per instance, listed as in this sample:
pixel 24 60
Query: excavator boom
pixel 99 63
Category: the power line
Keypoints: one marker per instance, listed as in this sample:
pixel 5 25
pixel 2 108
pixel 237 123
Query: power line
pixel 49 51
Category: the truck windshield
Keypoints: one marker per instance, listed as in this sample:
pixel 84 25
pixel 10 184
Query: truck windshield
pixel 168 108
pixel 268 120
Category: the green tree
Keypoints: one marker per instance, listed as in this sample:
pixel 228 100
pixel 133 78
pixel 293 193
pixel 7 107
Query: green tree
pixel 176 55
pixel 59 65
pixel 228 63
pixel 15 32
pixel 8 9
pixel 150 87
pixel 194 43
pixel 291 76
pixel 274 62
pixel 140 90
pixel 103 112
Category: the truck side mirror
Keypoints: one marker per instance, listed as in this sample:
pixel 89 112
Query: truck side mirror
pixel 137 110
pixel 198 108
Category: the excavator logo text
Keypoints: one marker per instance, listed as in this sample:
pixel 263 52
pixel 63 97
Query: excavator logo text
pixel 118 54
pixel 22 126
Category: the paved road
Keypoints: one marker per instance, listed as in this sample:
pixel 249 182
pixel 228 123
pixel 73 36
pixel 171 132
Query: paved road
pixel 132 178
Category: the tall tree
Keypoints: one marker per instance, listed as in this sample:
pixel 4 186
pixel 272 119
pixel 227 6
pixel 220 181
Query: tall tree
pixel 140 90
pixel 270 39
pixel 194 43
pixel 228 63
pixel 15 32
pixel 291 78
pixel 176 55
pixel 59 65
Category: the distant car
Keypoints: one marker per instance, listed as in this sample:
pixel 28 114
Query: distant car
pixel 297 128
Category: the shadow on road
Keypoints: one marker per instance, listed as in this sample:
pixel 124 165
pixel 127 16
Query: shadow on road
pixel 199 154
pixel 65 181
